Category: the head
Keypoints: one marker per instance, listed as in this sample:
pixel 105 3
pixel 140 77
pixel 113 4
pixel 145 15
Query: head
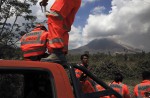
pixel 146 75
pixel 118 77
pixel 84 59
pixel 41 26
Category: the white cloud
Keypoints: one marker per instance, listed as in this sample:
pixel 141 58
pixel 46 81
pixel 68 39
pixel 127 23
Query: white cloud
pixel 128 21
pixel 98 10
pixel 37 10
pixel 75 38
pixel 84 2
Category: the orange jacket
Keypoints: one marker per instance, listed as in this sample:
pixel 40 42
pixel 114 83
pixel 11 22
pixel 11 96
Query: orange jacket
pixel 78 72
pixel 34 43
pixel 121 89
pixel 100 88
pixel 141 88
pixel 87 86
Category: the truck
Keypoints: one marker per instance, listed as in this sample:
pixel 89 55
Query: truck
pixel 35 79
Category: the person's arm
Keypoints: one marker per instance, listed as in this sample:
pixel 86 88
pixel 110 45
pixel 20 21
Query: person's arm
pixel 135 92
pixel 78 73
pixel 126 92
pixel 50 13
pixel 43 3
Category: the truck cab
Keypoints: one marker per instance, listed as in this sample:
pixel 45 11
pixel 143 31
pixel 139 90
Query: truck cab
pixel 35 79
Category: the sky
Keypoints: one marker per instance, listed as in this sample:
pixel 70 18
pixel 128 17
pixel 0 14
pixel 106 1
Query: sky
pixel 125 21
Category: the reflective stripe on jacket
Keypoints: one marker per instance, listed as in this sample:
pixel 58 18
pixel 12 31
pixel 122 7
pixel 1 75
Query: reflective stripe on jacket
pixel 78 72
pixel 141 88
pixel 117 87
pixel 121 88
pixel 34 43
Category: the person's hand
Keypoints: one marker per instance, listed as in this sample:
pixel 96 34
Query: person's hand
pixel 83 77
pixel 43 3
pixel 47 13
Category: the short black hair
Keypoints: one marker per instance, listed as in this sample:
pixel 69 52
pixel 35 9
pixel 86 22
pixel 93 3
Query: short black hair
pixel 118 77
pixel 86 55
pixel 146 75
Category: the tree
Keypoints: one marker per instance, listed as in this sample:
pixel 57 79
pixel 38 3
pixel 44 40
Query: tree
pixel 10 32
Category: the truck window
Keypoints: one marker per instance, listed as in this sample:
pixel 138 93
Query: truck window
pixel 26 84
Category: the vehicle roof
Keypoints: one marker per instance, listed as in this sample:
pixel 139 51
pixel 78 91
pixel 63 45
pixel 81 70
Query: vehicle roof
pixel 22 63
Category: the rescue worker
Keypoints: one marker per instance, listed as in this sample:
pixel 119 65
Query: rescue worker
pixel 84 62
pixel 87 84
pixel 118 86
pixel 60 19
pixel 142 90
pixel 33 44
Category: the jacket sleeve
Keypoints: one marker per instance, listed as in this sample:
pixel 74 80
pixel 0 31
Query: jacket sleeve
pixel 135 91
pixel 126 92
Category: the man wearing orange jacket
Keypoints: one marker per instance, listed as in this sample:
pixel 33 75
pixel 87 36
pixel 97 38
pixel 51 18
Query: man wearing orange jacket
pixel 87 84
pixel 142 90
pixel 118 86
pixel 33 44
pixel 84 62
pixel 60 19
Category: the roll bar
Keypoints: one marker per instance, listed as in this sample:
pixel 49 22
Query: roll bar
pixel 77 89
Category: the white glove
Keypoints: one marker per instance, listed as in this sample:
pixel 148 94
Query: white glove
pixel 47 13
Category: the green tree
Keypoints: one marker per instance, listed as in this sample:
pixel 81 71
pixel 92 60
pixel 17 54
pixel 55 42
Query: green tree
pixel 11 32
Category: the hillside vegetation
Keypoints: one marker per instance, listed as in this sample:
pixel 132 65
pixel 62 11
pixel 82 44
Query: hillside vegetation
pixel 104 66
pixel 130 65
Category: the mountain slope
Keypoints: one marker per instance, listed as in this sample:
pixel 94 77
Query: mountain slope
pixel 102 46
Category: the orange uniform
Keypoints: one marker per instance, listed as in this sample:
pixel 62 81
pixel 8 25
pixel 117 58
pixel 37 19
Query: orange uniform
pixel 78 72
pixel 87 84
pixel 121 89
pixel 34 43
pixel 141 88
pixel 58 28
